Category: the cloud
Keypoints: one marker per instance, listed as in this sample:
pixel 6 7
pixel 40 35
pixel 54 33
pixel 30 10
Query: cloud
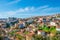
pixel 12 2
pixel 27 9
pixel 32 11
pixel 1 15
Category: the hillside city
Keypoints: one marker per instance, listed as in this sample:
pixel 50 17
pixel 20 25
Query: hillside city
pixel 33 28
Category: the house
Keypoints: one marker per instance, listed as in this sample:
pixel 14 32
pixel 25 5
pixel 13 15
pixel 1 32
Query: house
pixel 3 24
pixel 11 21
pixel 21 24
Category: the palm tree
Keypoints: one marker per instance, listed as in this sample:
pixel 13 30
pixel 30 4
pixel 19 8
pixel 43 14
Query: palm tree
pixel 19 37
pixel 1 37
pixel 38 37
pixel 27 35
pixel 52 30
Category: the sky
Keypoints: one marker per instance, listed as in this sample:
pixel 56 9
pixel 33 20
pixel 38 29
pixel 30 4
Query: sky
pixel 28 8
